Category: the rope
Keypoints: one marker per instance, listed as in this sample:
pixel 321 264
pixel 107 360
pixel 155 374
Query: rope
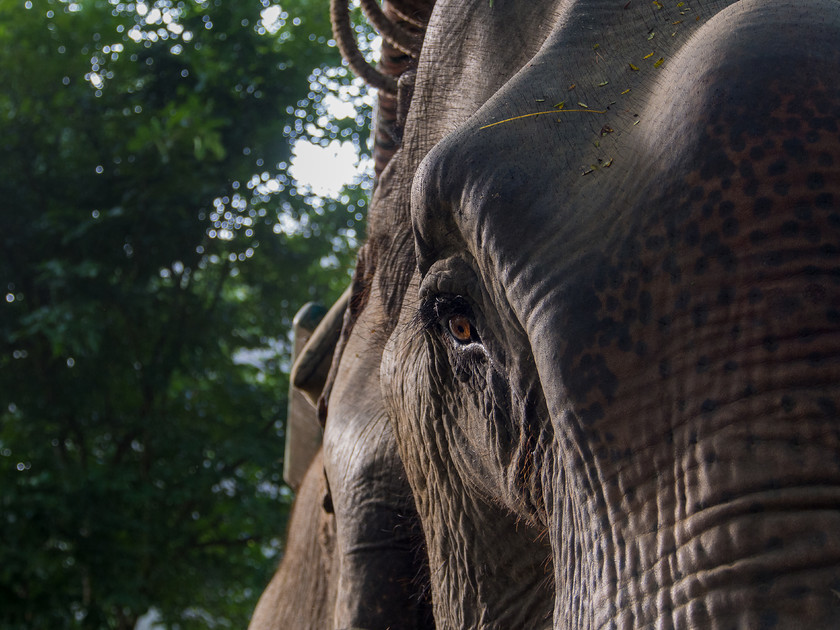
pixel 397 36
pixel 345 37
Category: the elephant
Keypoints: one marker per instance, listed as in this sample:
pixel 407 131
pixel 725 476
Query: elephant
pixel 354 551
pixel 602 313
pixel 302 593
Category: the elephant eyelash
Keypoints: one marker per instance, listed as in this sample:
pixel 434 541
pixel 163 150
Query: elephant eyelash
pixel 427 317
pixel 435 312
pixel 436 308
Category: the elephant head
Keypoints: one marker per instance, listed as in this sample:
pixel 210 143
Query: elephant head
pixel 607 318
pixel 354 551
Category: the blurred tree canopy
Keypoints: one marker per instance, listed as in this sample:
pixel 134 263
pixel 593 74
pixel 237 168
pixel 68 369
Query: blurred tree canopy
pixel 154 251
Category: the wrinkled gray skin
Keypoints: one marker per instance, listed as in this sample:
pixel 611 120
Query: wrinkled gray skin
pixel 643 429
pixel 302 592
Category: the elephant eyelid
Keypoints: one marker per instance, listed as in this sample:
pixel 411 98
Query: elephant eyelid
pixel 427 316
pixel 439 312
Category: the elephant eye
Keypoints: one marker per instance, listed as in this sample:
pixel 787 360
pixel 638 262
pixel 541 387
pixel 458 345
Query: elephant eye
pixel 451 314
pixel 456 318
pixel 461 329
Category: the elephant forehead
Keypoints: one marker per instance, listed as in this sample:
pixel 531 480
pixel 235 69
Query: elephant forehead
pixel 561 126
pixel 576 135
pixel 472 48
pixel 463 187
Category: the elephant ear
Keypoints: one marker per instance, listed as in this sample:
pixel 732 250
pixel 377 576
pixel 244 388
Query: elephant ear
pixel 315 335
pixel 312 363
pixel 355 299
pixel 317 357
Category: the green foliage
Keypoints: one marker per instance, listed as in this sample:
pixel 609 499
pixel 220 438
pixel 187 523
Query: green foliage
pixel 152 256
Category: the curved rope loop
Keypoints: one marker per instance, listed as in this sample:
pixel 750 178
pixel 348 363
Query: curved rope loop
pixel 394 34
pixel 346 40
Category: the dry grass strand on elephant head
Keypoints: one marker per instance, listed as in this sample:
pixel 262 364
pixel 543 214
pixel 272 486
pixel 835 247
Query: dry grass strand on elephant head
pixel 553 111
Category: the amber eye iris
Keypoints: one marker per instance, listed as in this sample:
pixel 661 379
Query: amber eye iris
pixel 460 328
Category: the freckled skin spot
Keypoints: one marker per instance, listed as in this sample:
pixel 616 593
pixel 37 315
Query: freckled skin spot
pixel 630 289
pixel 788 403
pixel 725 296
pixel 683 300
pixel 779 167
pixel 670 267
pixel 700 315
pixel 710 244
pixel 751 187
pixel 730 227
pixel 812 234
pixel 774 258
pixel 757 236
pixel 654 243
pixel 790 229
pixel 803 212
pixel 770 344
pixel 824 201
pixel 692 234
pixel 645 306
pixel 781 188
pixel 762 207
pixel 806 335
pixel 697 194
pixel 825 159
pixel 795 149
pixel 829 250
pixel 726 258
pixel 827 406
pixel 815 181
pixel 768 620
pixel 746 171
